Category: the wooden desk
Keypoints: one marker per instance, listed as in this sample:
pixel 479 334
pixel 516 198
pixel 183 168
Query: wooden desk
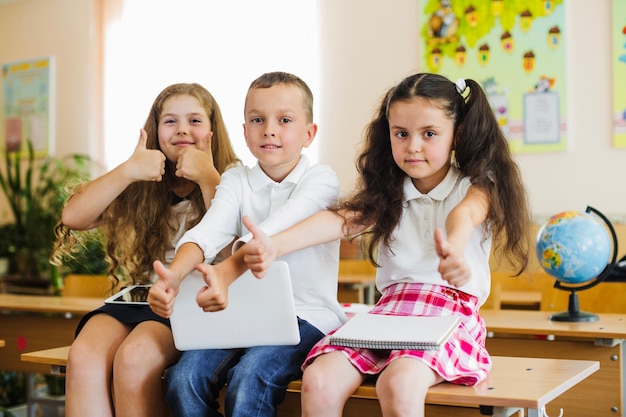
pixel 55 357
pixel 520 300
pixel 357 288
pixel 531 334
pixel 513 384
pixel 33 322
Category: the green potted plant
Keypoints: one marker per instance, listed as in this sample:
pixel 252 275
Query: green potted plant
pixel 36 190
pixel 12 391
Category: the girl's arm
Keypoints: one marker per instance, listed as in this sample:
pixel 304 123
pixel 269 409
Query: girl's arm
pixel 259 253
pixel 468 214
pixel 85 207
pixel 460 223
pixel 322 227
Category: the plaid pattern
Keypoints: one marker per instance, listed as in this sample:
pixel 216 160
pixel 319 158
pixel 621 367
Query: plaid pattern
pixel 462 360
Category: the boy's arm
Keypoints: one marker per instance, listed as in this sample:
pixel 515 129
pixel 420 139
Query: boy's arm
pixel 163 292
pixel 220 223
pixel 317 190
pixel 460 224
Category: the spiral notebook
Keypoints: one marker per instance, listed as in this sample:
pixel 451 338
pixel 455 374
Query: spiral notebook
pixel 378 331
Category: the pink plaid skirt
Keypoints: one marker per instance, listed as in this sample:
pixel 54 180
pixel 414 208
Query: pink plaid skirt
pixel 462 360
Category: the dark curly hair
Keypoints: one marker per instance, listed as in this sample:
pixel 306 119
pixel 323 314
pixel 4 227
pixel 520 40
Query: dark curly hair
pixel 480 151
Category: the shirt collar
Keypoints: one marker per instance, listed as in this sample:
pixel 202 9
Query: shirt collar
pixel 440 192
pixel 258 179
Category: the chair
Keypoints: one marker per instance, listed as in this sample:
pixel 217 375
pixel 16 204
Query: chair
pixel 78 285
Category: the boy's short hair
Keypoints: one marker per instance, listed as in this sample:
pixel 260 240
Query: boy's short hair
pixel 269 79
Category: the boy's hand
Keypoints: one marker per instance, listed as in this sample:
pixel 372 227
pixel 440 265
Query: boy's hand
pixel 213 297
pixel 260 251
pixel 163 292
pixel 452 265
pixel 145 164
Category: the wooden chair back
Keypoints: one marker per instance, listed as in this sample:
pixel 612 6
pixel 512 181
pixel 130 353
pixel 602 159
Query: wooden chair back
pixel 77 285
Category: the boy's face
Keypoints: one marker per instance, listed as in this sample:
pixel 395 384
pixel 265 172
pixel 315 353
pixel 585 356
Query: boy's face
pixel 276 128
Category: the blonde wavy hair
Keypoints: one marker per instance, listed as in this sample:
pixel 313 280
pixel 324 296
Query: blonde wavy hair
pixel 136 225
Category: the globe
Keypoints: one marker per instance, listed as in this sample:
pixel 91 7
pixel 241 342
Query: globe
pixel 573 247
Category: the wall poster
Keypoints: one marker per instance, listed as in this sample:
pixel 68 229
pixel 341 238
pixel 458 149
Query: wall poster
pixel 27 88
pixel 516 50
pixel 619 73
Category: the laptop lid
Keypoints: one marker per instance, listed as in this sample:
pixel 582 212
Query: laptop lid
pixel 259 312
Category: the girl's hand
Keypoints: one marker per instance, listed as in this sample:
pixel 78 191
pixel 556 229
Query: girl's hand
pixel 260 251
pixel 163 292
pixel 145 164
pixel 213 297
pixel 452 265
pixel 196 164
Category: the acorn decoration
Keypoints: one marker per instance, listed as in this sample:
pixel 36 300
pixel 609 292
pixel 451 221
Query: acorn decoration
pixel 483 54
pixel 554 37
pixel 528 63
pixel 506 41
pixel 526 20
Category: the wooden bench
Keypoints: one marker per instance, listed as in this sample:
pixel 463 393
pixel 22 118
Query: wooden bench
pixel 514 385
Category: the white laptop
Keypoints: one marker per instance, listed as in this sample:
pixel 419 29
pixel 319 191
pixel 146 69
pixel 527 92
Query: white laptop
pixel 260 312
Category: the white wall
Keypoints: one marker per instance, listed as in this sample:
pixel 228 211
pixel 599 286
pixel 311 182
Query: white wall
pixel 368 46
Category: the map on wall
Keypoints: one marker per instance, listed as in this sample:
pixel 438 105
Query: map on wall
pixel 619 73
pixel 27 100
pixel 516 50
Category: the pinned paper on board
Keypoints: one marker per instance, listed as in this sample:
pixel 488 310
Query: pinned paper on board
pixel 28 111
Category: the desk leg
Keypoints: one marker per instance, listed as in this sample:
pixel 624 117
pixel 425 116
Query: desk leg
pixel 600 395
pixel 371 293
pixel 42 405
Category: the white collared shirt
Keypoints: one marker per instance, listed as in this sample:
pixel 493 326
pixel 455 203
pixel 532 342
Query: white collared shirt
pixel 274 207
pixel 413 258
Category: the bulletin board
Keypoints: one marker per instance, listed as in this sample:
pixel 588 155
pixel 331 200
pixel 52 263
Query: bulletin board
pixel 516 50
pixel 619 73
pixel 28 94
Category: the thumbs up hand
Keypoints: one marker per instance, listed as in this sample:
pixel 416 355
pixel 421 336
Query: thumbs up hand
pixel 145 164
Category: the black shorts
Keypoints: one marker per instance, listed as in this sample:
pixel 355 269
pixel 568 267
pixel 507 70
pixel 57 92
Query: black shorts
pixel 131 315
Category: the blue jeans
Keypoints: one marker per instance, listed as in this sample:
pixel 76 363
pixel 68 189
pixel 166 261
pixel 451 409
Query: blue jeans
pixel 257 377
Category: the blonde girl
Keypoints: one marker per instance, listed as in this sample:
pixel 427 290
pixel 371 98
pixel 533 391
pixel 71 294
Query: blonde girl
pixel 143 207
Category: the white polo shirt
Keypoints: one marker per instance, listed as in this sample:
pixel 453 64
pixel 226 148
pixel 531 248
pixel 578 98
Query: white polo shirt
pixel 413 258
pixel 274 207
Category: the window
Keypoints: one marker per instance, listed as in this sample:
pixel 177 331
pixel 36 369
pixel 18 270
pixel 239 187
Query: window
pixel 222 45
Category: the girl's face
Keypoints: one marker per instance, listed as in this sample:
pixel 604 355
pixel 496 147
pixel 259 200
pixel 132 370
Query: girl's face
pixel 421 141
pixel 183 123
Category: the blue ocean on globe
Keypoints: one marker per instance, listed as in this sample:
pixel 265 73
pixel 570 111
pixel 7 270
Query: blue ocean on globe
pixel 573 247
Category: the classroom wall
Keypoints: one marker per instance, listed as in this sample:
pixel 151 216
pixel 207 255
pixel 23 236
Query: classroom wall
pixel 371 46
pixel 368 46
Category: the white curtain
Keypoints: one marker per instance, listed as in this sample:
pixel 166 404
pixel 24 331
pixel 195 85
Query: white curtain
pixel 223 45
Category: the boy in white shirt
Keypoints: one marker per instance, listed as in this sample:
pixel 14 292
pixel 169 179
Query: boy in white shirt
pixel 281 190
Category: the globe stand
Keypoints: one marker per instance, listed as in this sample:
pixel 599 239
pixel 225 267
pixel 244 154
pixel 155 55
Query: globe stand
pixel 573 313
